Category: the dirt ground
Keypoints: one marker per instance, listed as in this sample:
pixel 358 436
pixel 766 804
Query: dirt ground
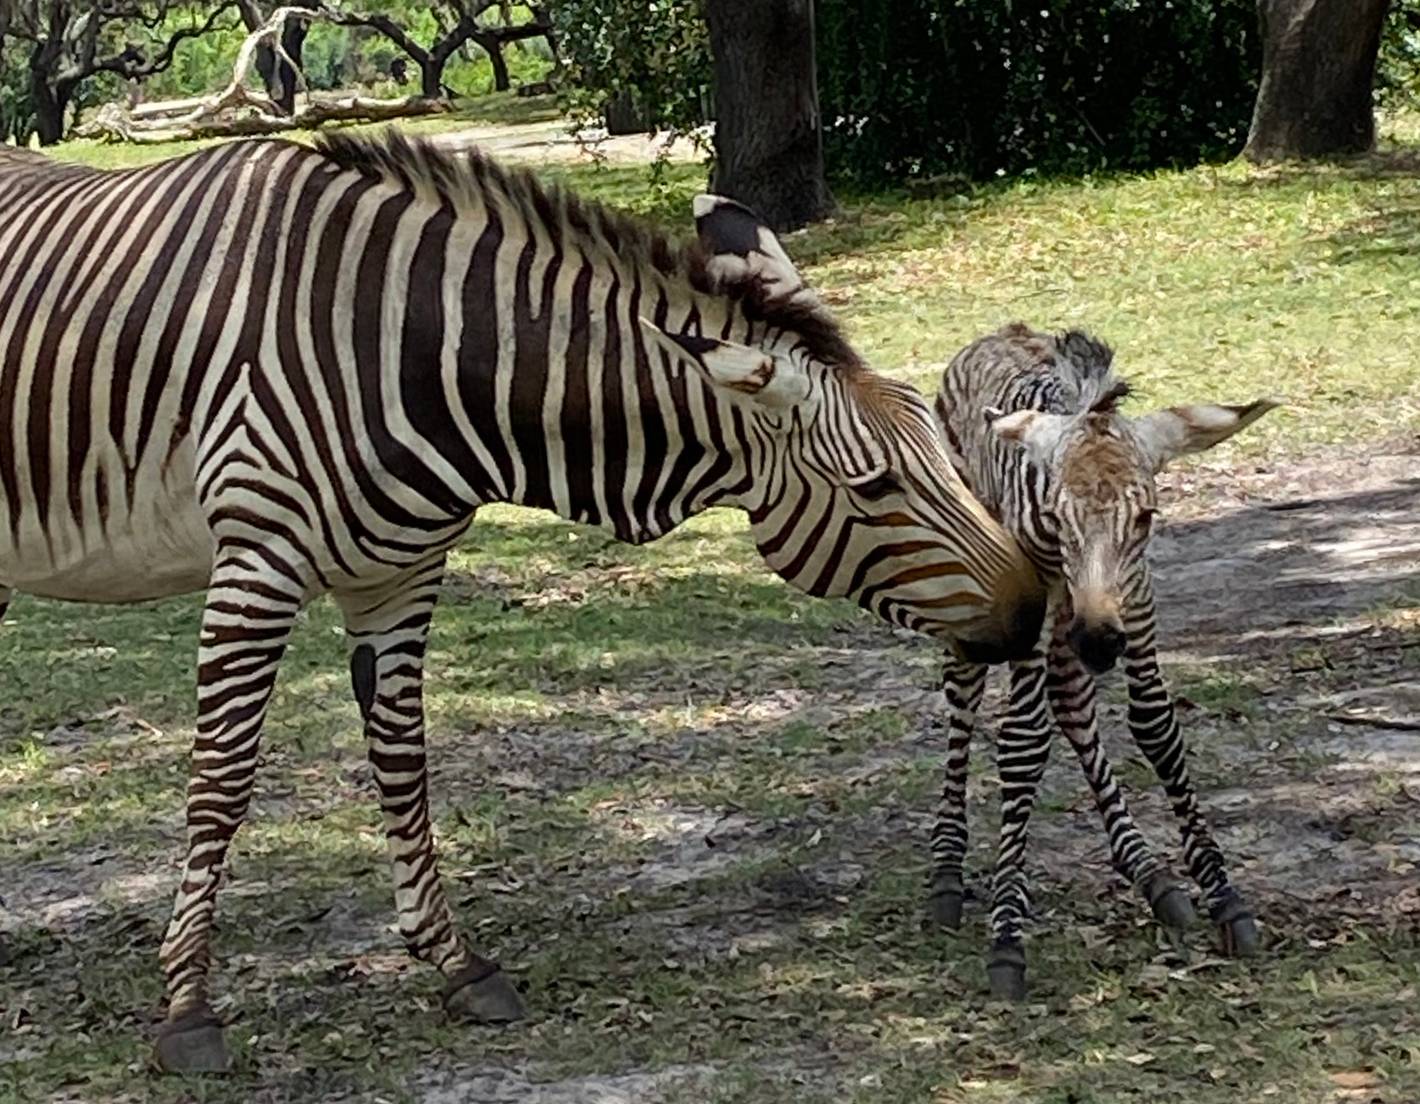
pixel 1291 605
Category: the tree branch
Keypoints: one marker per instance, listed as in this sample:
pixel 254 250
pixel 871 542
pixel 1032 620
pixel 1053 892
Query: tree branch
pixel 130 63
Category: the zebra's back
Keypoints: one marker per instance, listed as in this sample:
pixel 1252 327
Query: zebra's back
pixel 124 315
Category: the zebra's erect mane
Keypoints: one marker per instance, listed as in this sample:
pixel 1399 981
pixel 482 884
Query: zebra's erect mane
pixel 462 178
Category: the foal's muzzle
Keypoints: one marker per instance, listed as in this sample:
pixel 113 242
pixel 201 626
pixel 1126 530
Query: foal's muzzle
pixel 1099 644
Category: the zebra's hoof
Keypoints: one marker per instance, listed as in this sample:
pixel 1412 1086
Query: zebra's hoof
pixel 479 994
pixel 1006 971
pixel 945 901
pixel 1238 928
pixel 192 1043
pixel 1170 902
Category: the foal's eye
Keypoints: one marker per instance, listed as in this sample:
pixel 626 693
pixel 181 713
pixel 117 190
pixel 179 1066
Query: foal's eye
pixel 878 487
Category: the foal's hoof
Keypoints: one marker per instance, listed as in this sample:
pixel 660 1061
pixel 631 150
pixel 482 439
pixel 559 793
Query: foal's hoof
pixel 944 902
pixel 1169 901
pixel 1238 928
pixel 192 1043
pixel 1006 970
pixel 482 994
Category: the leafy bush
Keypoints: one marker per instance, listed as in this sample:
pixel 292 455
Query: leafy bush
pixel 654 54
pixel 986 87
pixel 1398 72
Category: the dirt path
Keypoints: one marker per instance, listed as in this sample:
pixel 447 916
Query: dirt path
pixel 551 143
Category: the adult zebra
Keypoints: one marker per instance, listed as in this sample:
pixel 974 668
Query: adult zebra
pixel 274 372
pixel 1032 424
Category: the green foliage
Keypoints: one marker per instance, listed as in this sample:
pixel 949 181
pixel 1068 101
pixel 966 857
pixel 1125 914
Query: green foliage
pixel 654 55
pixel 985 88
pixel 1398 71
pixel 16 112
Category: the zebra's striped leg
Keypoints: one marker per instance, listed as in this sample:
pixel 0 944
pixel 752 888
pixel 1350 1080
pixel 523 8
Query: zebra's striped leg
pixel 1154 725
pixel 962 686
pixel 388 630
pixel 1071 689
pixel 1022 750
pixel 247 621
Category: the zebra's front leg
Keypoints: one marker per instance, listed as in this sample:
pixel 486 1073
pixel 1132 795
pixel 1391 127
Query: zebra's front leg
pixel 1154 725
pixel 250 611
pixel 962 686
pixel 388 630
pixel 1071 689
pixel 1022 750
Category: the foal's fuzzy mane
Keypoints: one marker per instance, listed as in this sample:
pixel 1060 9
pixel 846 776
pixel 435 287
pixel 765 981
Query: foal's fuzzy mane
pixel 466 179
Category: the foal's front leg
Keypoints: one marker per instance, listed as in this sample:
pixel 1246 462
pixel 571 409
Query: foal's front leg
pixel 1022 750
pixel 1073 701
pixel 962 685
pixel 388 629
pixel 1154 725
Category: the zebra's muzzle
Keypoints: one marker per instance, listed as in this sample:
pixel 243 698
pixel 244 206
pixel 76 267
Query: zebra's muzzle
pixel 1099 645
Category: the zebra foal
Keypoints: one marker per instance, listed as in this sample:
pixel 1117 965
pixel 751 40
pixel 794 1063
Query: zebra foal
pixel 271 372
pixel 1032 424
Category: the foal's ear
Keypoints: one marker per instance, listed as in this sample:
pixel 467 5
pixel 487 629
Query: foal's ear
pixel 1166 434
pixel 1033 430
pixel 740 372
pixel 739 248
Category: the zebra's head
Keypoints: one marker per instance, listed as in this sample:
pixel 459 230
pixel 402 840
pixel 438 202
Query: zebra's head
pixel 1099 500
pixel 849 489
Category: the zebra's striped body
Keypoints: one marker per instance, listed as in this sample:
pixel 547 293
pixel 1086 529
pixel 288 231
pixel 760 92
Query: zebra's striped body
pixel 274 372
pixel 1032 424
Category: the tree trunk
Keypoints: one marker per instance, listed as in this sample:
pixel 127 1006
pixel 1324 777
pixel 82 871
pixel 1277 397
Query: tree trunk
pixel 431 76
pixel 494 49
pixel 1318 69
pixel 278 77
pixel 50 104
pixel 768 142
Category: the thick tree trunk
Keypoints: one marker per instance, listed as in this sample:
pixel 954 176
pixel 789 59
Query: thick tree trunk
pixel 768 142
pixel 1318 69
pixel 50 104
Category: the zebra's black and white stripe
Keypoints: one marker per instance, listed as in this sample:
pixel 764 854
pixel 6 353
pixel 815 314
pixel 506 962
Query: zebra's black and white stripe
pixel 1034 430
pixel 274 372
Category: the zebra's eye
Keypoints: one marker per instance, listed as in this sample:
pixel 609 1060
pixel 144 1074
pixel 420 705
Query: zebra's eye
pixel 876 488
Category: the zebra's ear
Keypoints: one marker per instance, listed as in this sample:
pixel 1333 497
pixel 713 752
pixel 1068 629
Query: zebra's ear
pixel 1177 430
pixel 741 372
pixel 740 249
pixel 1035 431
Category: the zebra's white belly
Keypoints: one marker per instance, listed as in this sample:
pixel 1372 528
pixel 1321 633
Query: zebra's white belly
pixel 155 546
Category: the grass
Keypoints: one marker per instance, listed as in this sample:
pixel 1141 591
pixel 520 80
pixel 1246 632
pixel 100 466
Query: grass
pixel 686 805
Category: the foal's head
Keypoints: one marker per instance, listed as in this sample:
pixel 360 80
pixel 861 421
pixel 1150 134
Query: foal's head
pixel 1099 496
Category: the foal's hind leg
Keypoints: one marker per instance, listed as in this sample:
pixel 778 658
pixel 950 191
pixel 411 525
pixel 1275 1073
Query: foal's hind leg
pixel 1154 724
pixel 1072 699
pixel 388 628
pixel 962 685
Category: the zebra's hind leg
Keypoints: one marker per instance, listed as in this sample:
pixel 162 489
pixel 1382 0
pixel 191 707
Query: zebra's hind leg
pixel 1154 725
pixel 388 630
pixel 1022 750
pixel 250 611
pixel 1072 699
pixel 962 686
